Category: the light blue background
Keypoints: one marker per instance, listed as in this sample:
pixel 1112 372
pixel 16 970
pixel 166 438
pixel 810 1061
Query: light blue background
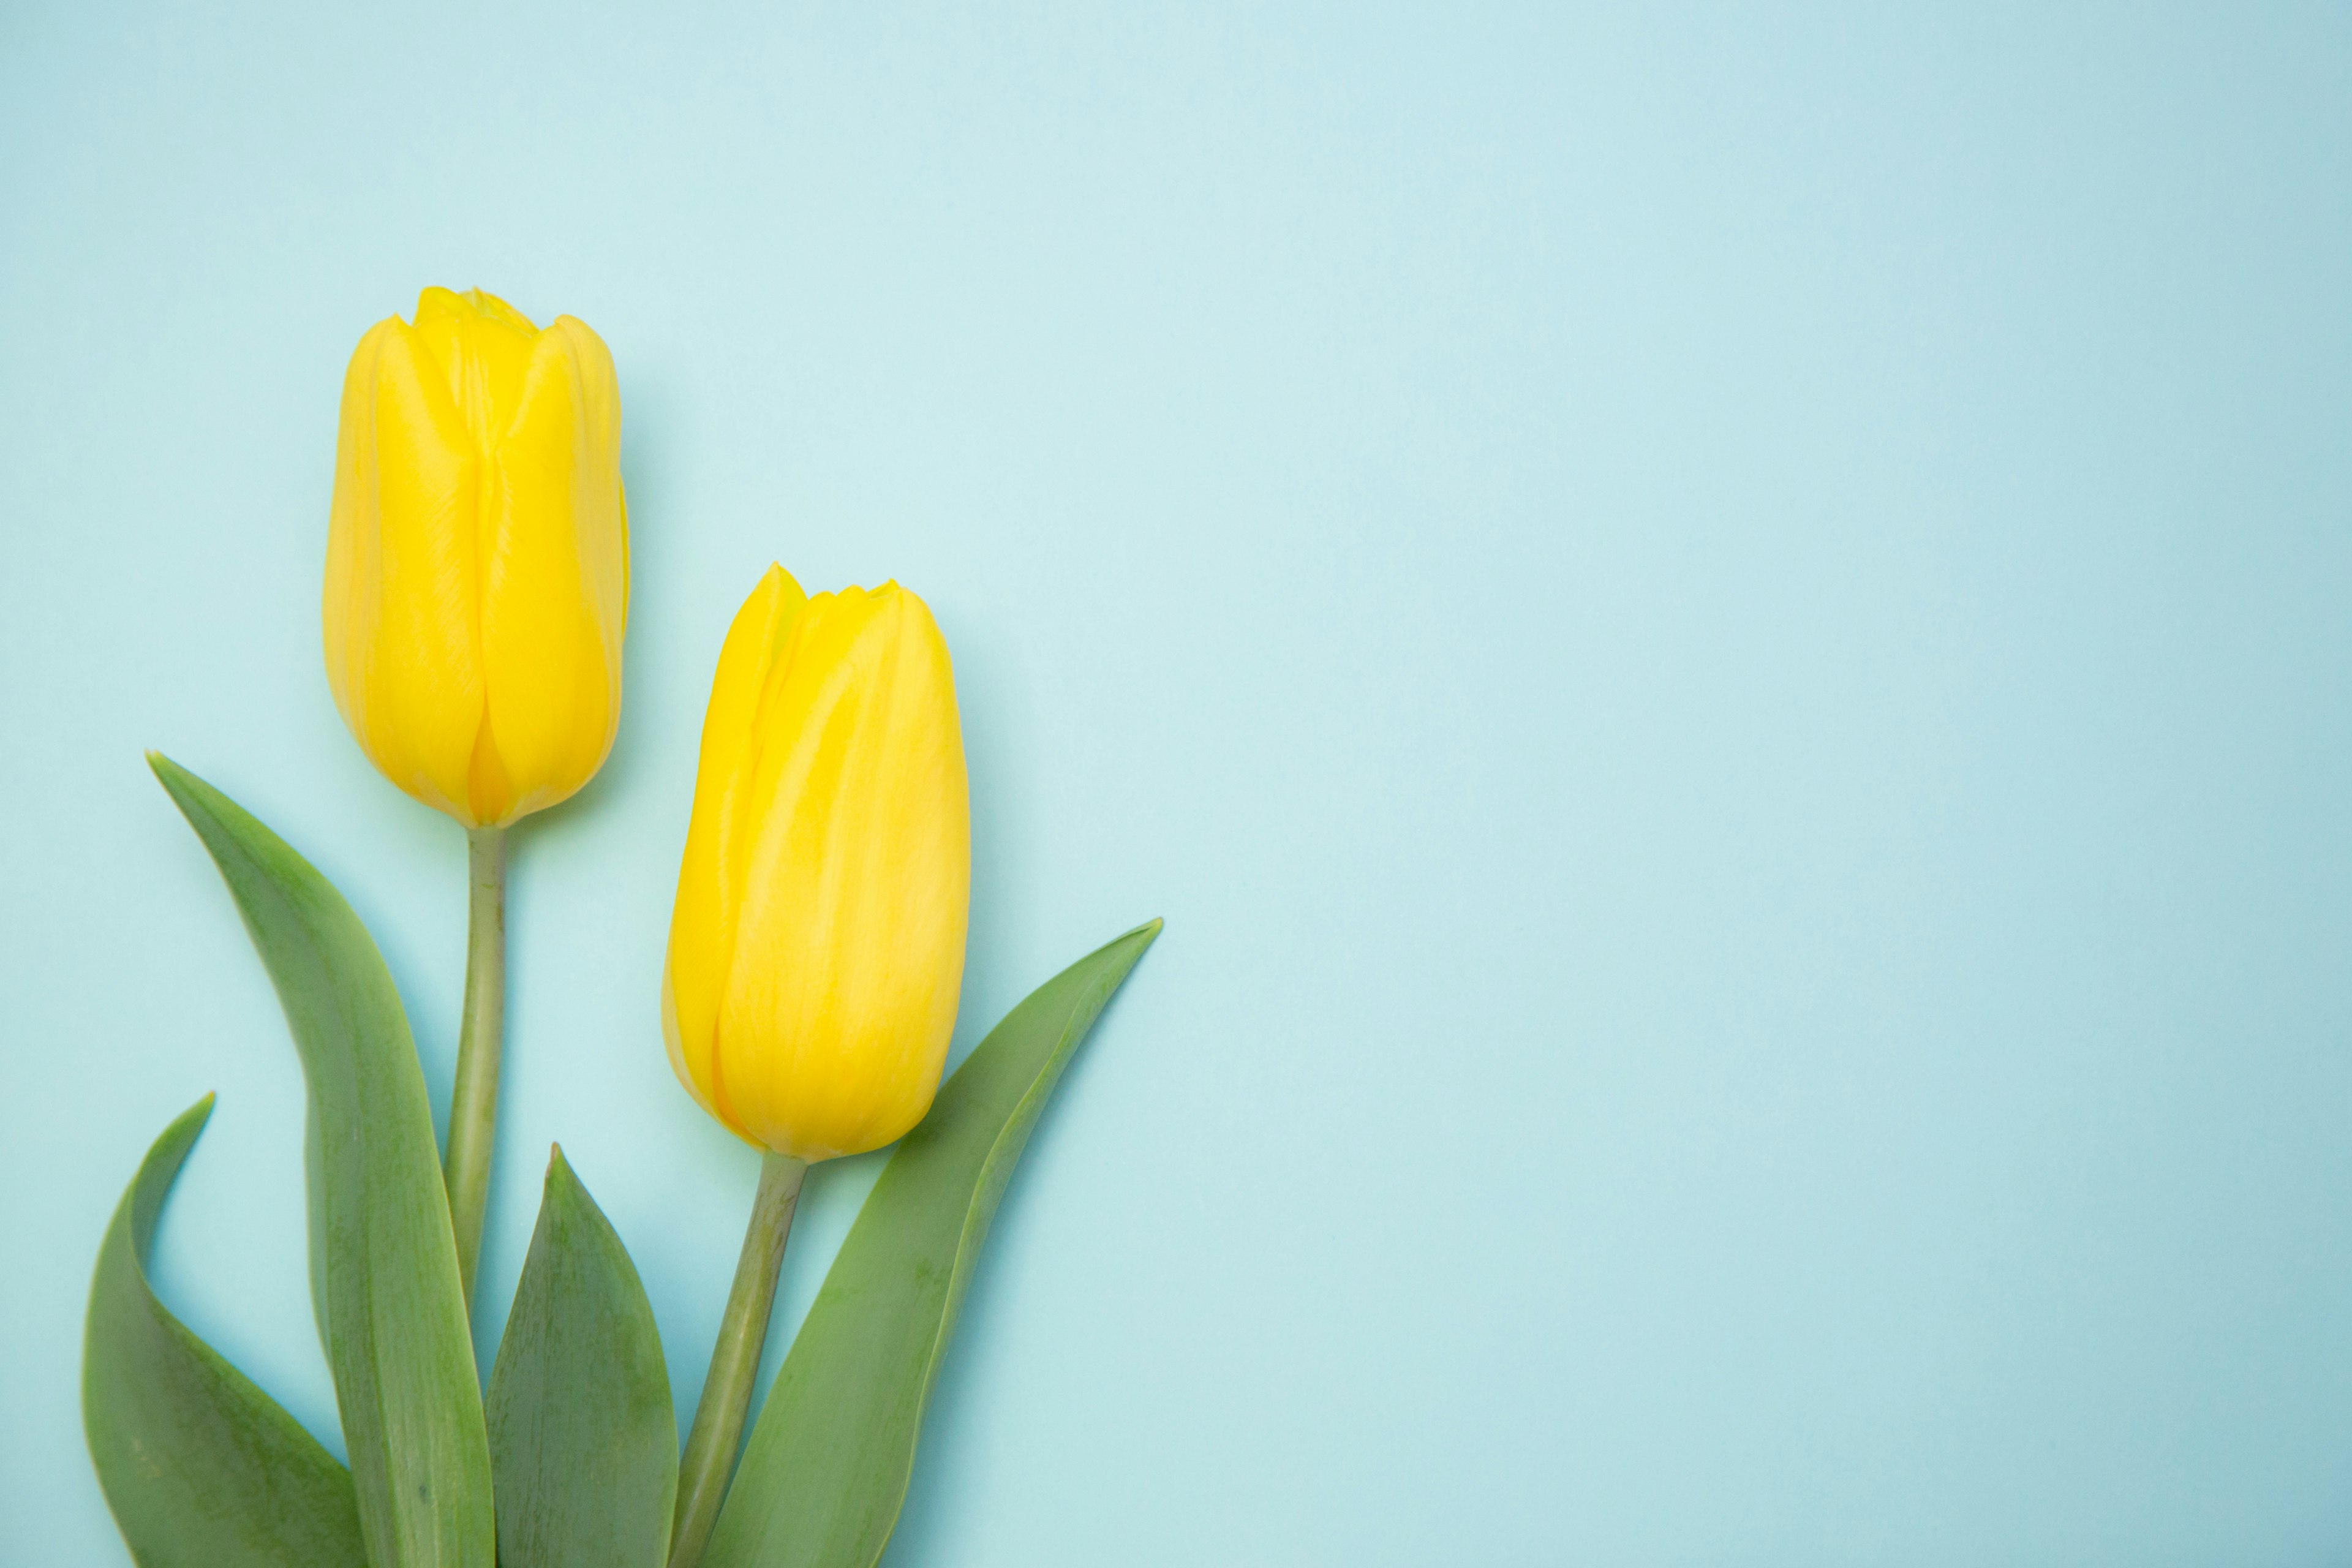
pixel 1722 634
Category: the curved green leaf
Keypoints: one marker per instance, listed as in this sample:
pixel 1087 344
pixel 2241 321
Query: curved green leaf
pixel 395 1325
pixel 201 1467
pixel 827 1469
pixel 583 1442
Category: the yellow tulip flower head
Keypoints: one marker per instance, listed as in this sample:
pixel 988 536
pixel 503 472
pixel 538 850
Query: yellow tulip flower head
pixel 816 947
pixel 478 559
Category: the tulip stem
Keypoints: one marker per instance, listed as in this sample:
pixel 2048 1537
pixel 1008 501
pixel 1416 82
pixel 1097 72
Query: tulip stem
pixel 717 1433
pixel 474 1103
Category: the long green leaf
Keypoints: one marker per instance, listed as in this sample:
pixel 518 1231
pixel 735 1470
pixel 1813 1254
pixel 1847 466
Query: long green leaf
pixel 201 1467
pixel 826 1470
pixel 395 1325
pixel 583 1442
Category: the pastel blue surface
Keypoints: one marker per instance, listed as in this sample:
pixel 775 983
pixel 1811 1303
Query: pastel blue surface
pixel 1724 638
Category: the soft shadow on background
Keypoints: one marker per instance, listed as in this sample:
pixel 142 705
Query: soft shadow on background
pixel 1723 636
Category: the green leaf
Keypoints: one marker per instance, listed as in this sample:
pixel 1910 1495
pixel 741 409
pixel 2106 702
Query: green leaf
pixel 827 1469
pixel 395 1325
pixel 201 1467
pixel 583 1442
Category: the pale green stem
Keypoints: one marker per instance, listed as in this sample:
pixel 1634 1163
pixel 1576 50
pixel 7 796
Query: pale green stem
pixel 717 1433
pixel 474 1103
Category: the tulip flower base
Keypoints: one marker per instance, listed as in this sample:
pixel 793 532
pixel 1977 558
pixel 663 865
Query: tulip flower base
pixel 572 1458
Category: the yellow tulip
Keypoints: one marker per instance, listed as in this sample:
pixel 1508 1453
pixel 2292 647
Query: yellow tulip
pixel 816 947
pixel 478 560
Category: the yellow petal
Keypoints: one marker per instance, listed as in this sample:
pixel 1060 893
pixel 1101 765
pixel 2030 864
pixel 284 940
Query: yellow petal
pixel 483 347
pixel 399 617
pixel 556 577
pixel 847 956
pixel 716 859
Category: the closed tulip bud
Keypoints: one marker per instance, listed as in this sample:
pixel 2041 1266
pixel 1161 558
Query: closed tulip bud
pixel 478 562
pixel 816 947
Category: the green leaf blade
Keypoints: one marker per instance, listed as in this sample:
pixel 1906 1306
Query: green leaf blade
pixel 201 1469
pixel 394 1321
pixel 827 1466
pixel 583 1441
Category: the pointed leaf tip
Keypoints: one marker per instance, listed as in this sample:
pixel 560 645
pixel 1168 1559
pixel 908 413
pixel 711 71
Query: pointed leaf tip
pixel 560 1174
pixel 167 768
pixel 583 1438
pixel 197 1464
